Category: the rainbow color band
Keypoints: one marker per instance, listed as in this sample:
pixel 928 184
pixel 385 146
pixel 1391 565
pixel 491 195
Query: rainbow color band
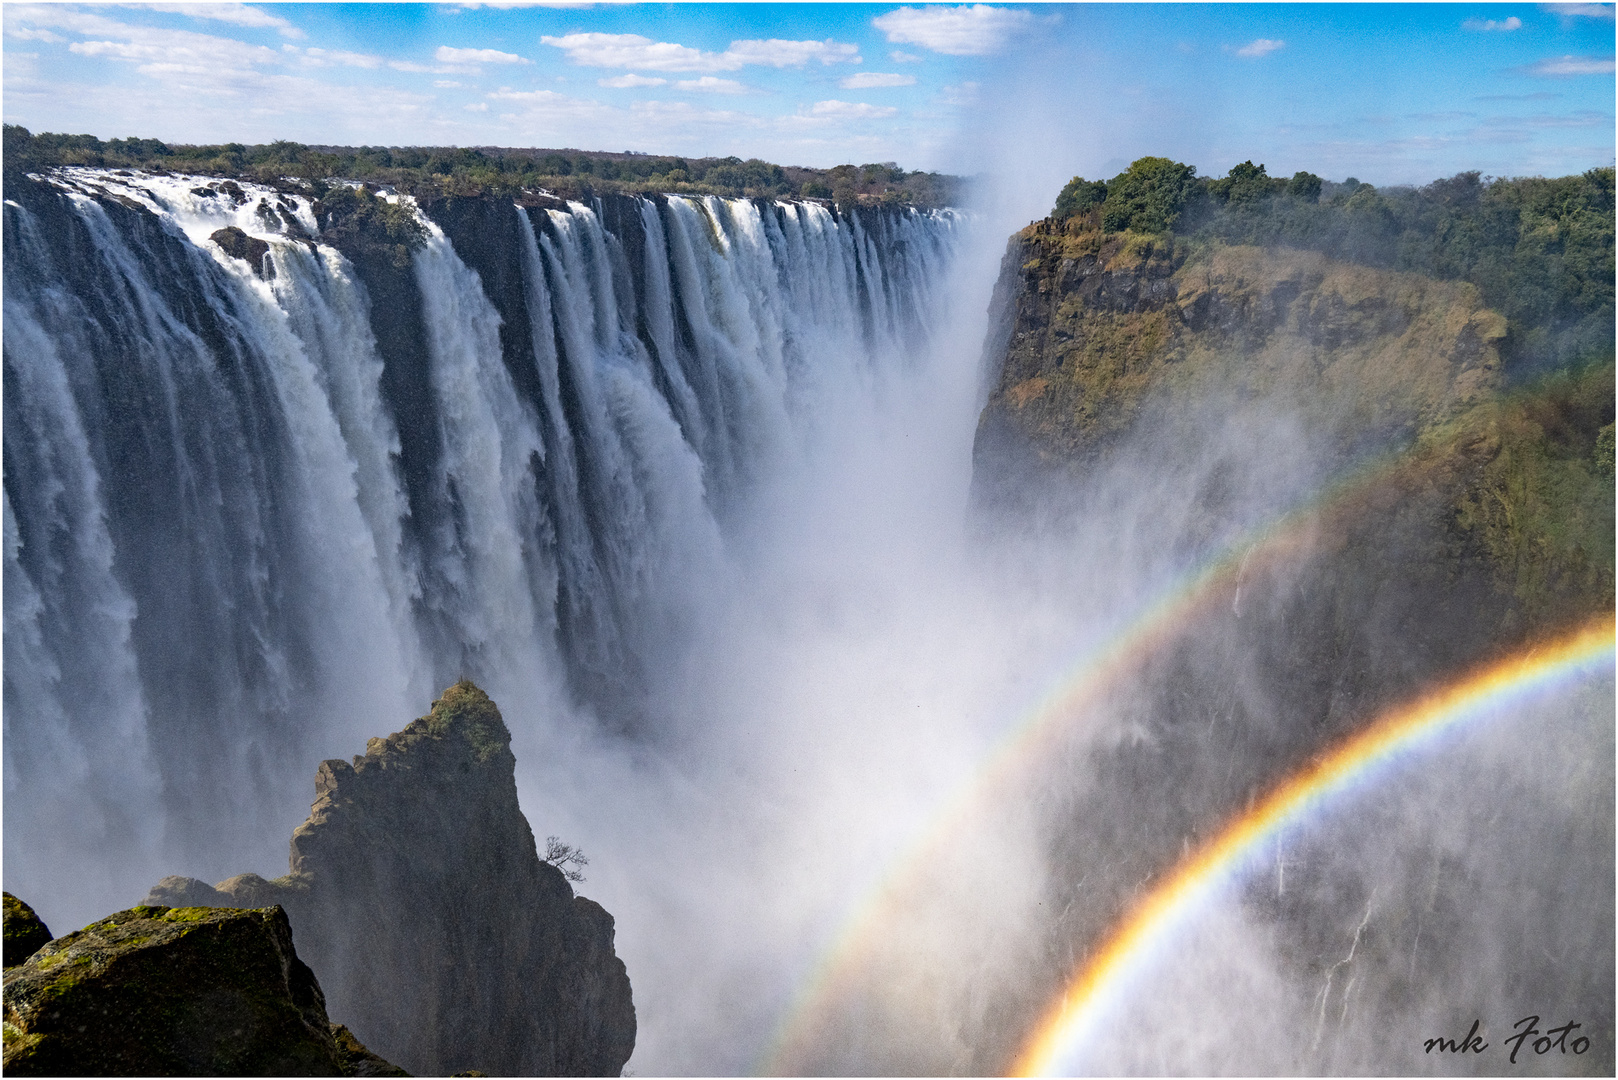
pixel 1188 887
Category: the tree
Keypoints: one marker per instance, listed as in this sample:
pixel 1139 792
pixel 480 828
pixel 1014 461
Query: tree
pixel 1305 186
pixel 1078 196
pixel 1149 196
pixel 565 857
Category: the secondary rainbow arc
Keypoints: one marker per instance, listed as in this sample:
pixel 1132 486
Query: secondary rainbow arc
pixel 1085 682
pixel 1188 887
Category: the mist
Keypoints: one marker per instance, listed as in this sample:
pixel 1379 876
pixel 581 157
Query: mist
pixel 787 810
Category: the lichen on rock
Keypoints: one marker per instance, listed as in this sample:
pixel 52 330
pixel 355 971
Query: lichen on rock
pixel 169 991
pixel 25 932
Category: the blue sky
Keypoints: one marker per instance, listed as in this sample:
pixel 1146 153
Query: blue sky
pixel 1389 93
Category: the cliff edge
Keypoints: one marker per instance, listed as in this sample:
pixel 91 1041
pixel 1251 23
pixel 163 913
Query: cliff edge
pixel 419 898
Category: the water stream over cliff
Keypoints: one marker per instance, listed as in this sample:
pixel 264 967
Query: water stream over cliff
pixel 256 512
pixel 684 485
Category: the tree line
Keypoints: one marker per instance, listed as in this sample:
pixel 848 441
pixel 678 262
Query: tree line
pixel 1539 250
pixel 427 171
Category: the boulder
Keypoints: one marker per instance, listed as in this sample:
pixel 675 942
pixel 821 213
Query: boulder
pixel 24 931
pixel 439 934
pixel 169 991
pixel 249 249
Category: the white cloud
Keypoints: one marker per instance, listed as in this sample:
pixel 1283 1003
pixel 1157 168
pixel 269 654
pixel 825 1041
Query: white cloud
pixel 709 84
pixel 1513 23
pixel 899 57
pixel 1561 67
pixel 851 110
pixel 446 84
pixel 1260 47
pixel 955 31
pixel 1590 11
pixel 24 33
pixel 965 93
pixel 634 51
pixel 235 14
pixel 778 53
pixel 174 51
pixel 664 114
pixel 624 82
pixel 313 57
pixel 870 80
pixel 480 106
pixel 447 55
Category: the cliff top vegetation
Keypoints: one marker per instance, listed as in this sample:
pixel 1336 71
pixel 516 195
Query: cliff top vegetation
pixel 431 171
pixel 1540 251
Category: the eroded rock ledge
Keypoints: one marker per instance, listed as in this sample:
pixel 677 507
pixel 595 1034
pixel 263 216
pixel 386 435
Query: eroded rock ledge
pixel 418 897
pixel 157 991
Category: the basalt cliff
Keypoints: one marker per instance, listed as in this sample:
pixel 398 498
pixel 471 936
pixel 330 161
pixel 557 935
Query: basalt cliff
pixel 439 935
pixel 1454 502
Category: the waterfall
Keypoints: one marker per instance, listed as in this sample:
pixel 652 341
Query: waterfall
pixel 257 513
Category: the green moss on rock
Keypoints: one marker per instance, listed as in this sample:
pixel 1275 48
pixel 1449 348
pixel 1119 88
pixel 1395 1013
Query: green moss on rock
pixel 184 992
pixel 25 933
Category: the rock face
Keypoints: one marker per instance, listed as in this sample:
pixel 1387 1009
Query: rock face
pixel 419 897
pixel 25 933
pixel 169 991
pixel 1485 523
pixel 1098 326
pixel 238 245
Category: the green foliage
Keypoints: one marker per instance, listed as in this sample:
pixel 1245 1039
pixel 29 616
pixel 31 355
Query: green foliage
pixel 1245 185
pixel 1541 507
pixel 357 221
pixel 1540 251
pixel 1078 196
pixel 1148 196
pixel 1304 186
pixel 427 172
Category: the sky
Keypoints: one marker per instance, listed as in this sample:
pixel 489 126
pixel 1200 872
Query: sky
pixel 1388 93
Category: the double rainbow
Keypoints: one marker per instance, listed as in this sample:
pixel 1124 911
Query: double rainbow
pixel 1086 684
pixel 1188 888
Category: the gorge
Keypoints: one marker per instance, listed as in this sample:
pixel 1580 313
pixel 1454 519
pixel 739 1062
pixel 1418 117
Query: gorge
pixel 764 555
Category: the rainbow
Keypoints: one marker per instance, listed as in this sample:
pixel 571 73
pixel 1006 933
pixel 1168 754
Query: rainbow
pixel 1086 684
pixel 1189 887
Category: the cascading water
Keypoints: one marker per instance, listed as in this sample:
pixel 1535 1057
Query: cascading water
pixel 243 532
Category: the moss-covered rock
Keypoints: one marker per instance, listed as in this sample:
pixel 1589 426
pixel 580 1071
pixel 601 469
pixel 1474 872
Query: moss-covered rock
pixel 25 931
pixel 1513 489
pixel 169 991
pixel 357 1060
pixel 1106 323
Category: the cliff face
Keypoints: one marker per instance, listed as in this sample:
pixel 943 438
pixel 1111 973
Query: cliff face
pixel 1104 326
pixel 418 896
pixel 1484 520
pixel 1503 495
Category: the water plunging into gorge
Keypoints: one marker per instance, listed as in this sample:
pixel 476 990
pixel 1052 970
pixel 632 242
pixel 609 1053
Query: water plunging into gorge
pixel 256 511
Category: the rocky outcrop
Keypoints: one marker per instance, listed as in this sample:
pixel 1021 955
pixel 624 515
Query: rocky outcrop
pixel 159 991
pixel 418 896
pixel 25 932
pixel 356 1059
pixel 1452 522
pixel 250 249
pixel 1101 326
